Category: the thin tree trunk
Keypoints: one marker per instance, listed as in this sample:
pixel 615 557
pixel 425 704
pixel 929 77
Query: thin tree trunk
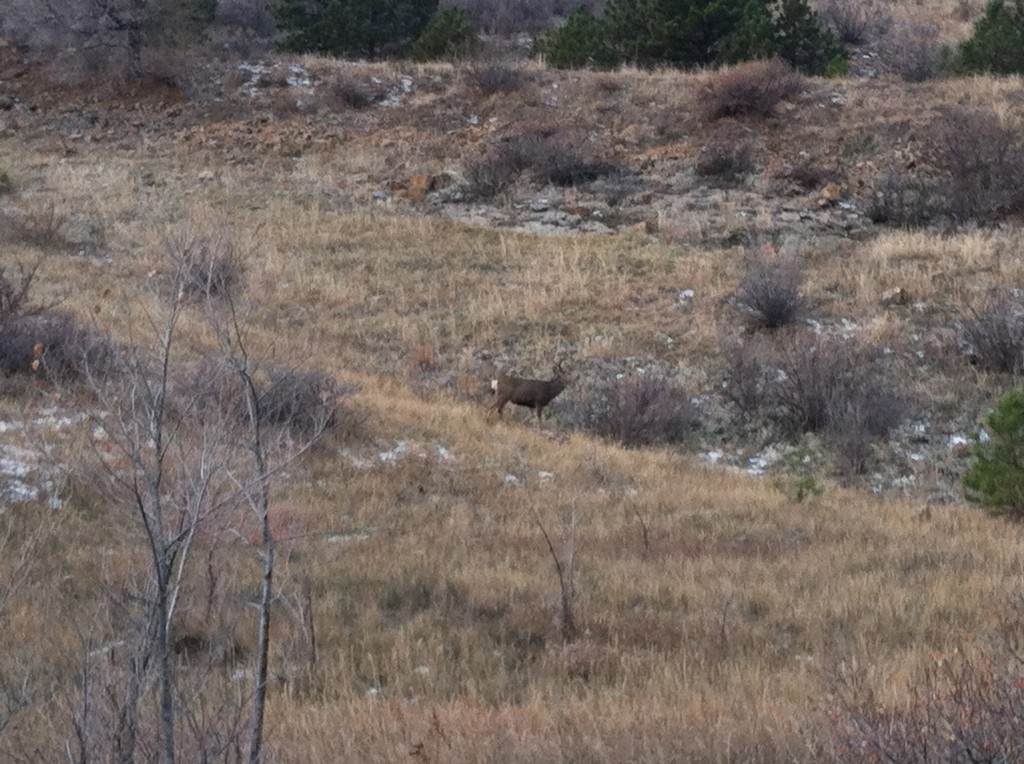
pixel 263 644
pixel 164 667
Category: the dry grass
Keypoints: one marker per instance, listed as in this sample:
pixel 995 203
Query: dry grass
pixel 711 608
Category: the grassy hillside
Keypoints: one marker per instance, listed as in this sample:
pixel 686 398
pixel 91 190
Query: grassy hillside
pixel 719 616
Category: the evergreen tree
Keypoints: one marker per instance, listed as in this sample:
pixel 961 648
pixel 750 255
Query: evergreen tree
pixel 704 32
pixel 997 44
pixel 996 475
pixel 367 28
pixel 580 42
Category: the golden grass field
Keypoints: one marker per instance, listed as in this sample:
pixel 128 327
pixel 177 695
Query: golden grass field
pixel 717 616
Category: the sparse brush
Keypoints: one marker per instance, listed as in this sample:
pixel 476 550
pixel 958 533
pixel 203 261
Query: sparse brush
pixel 747 379
pixel 202 267
pixel 901 199
pixel 754 88
pixel 984 162
pixel 827 385
pixel 725 160
pixel 634 409
pixel 548 155
pixel 40 227
pixel 994 335
pixel 913 51
pixel 302 402
pixel 966 704
pixel 855 21
pixel 769 294
pixel 57 346
pixel 494 77
pixel 806 174
pixel 346 92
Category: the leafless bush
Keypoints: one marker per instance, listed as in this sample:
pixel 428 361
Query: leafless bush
pixel 81 38
pixel 748 379
pixel 805 174
pixel 912 51
pixel 635 409
pixel 856 420
pixel 904 200
pixel 205 267
pixel 725 160
pixel 817 384
pixel 40 227
pixel 347 92
pixel 753 88
pixel 301 402
pixel 57 346
pixel 994 335
pixel 838 387
pixel 493 77
pixel 966 705
pixel 6 183
pixel 855 21
pixel 769 294
pixel 16 290
pixel 547 154
pixel 248 14
pixel 984 162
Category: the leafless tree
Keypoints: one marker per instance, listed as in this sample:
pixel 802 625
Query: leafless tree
pixel 178 455
pixel 84 35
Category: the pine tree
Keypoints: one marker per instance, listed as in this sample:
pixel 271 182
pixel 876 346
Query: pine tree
pixel 367 28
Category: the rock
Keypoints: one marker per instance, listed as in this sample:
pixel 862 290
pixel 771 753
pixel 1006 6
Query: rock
pixel 6 102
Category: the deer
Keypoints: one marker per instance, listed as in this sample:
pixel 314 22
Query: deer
pixel 531 393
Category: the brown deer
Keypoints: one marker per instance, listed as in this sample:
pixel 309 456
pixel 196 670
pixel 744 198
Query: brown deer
pixel 532 393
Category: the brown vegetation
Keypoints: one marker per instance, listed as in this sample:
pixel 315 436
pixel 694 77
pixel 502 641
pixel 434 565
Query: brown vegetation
pixel 418 615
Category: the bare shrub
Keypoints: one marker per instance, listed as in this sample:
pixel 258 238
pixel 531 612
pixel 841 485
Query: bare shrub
pixel 725 160
pixel 40 227
pixel 805 174
pixel 548 155
pixel 493 77
pixel 81 38
pixel 347 92
pixel 856 420
pixel 912 50
pixel 900 199
pixel 769 294
pixel 16 290
pixel 854 21
pixel 984 162
pixel 827 384
pixel 753 88
pixel 302 402
pixel 56 346
pixel 205 267
pixel 747 382
pixel 967 704
pixel 994 335
pixel 634 409
pixel 6 183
